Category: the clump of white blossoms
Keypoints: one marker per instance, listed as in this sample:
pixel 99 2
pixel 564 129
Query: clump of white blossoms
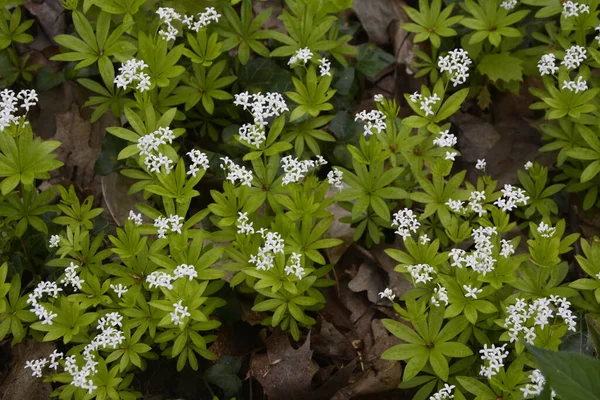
pixel 261 108
pixel 421 272
pixel 445 139
pixel 295 169
pixel 374 120
pixel 119 289
pixel 172 223
pixel 547 64
pixel 456 63
pixel 580 85
pixel 304 55
pixel 444 393
pixel 136 218
pixel 160 279
pixel 440 293
pixel 37 366
pixel 294 267
pixel 9 101
pixel 507 248
pixel 545 230
pixel 388 294
pixel 133 71
pixel 522 318
pixel 476 199
pixel 149 145
pixel 324 67
pixel 54 241
pixel 378 98
pixel 168 15
pixel 495 360
pixel 508 4
pixel 424 239
pixel 335 178
pixel 426 103
pixel 574 56
pixel 480 259
pixel 198 158
pixel 471 291
pixel 481 164
pixel 512 197
pixel 179 313
pixel 265 258
pixel 185 271
pixel 406 221
pixel 573 9
pixel 243 227
pixel 456 206
pixel 236 172
pixel 528 165
pixel 536 387
pixel 44 287
pixel 71 277
pixel 597 38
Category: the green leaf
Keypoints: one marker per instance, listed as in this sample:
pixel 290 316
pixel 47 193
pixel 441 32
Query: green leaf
pixel 402 331
pixel 501 66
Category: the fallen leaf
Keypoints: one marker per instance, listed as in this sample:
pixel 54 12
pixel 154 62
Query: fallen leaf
pixel 368 279
pixel 376 17
pixel 50 15
pixel 331 342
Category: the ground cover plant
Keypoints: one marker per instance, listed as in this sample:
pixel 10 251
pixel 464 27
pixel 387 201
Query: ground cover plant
pixel 299 199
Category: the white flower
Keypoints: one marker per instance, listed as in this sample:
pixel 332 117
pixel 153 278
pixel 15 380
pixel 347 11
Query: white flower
pixel 511 198
pixel 29 98
pixel 388 294
pixel 36 366
pixel 495 360
pixel 427 103
pixel 185 271
pixel 416 96
pixel 265 258
pixel 295 267
pixel 446 139
pixel 44 287
pixel 378 98
pixel 303 55
pixel 168 15
pixel 450 155
pixel 173 224
pixel 325 67
pixel 261 107
pixel 574 56
pixel 236 173
pixel 456 206
pixel 597 37
pixel 243 227
pixel 406 221
pixel 444 393
pixel 536 387
pixel 476 198
pixel 508 4
pixel 198 158
pixel 507 249
pixel 421 272
pixel 480 165
pixel 373 120
pixel 136 218
pixel 296 169
pixel 528 165
pixel 547 64
pixel 8 105
pixel 204 19
pixel 132 71
pixel 335 178
pixel 546 230
pixel 439 294
pixel 54 241
pixel 573 9
pixel 457 64
pixel 119 289
pixel 71 277
pixel 54 356
pixel 160 279
pixel 424 239
pixel 471 292
pixel 479 260
pixel 179 313
pixel 575 86
pixel 254 135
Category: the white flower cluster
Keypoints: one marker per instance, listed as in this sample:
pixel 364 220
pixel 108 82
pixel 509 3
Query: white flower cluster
pixel 265 258
pixel 456 63
pixel 162 223
pixel 335 178
pixel 446 139
pixel 507 248
pixel 536 387
pixel 109 337
pixel 44 287
pixel 495 360
pixel 480 260
pixel 374 120
pixel 168 15
pixel 261 107
pixel 471 291
pixel 522 317
pixel 424 239
pixel 421 272
pixel 545 230
pixel 163 279
pixel 547 64
pixel 426 103
pixel 574 56
pixel 573 9
pixel 481 164
pixel 440 293
pixel 71 277
pixel 294 267
pixel 325 67
pixel 388 294
pixel 136 218
pixel 528 165
pixel 511 198
pixel 243 227
pixel 508 4
pixel 37 366
pixel 9 101
pixel 476 200
pixel 406 221
pixel 444 393
pixel 148 146
pixel 580 85
pixel 54 241
pixel 133 71
pixel 295 169
pixel 198 158
pixel 185 271
pixel 119 289
pixel 304 55
pixel 456 206
pixel 378 98
pixel 597 37
pixel 179 313
pixel 236 173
